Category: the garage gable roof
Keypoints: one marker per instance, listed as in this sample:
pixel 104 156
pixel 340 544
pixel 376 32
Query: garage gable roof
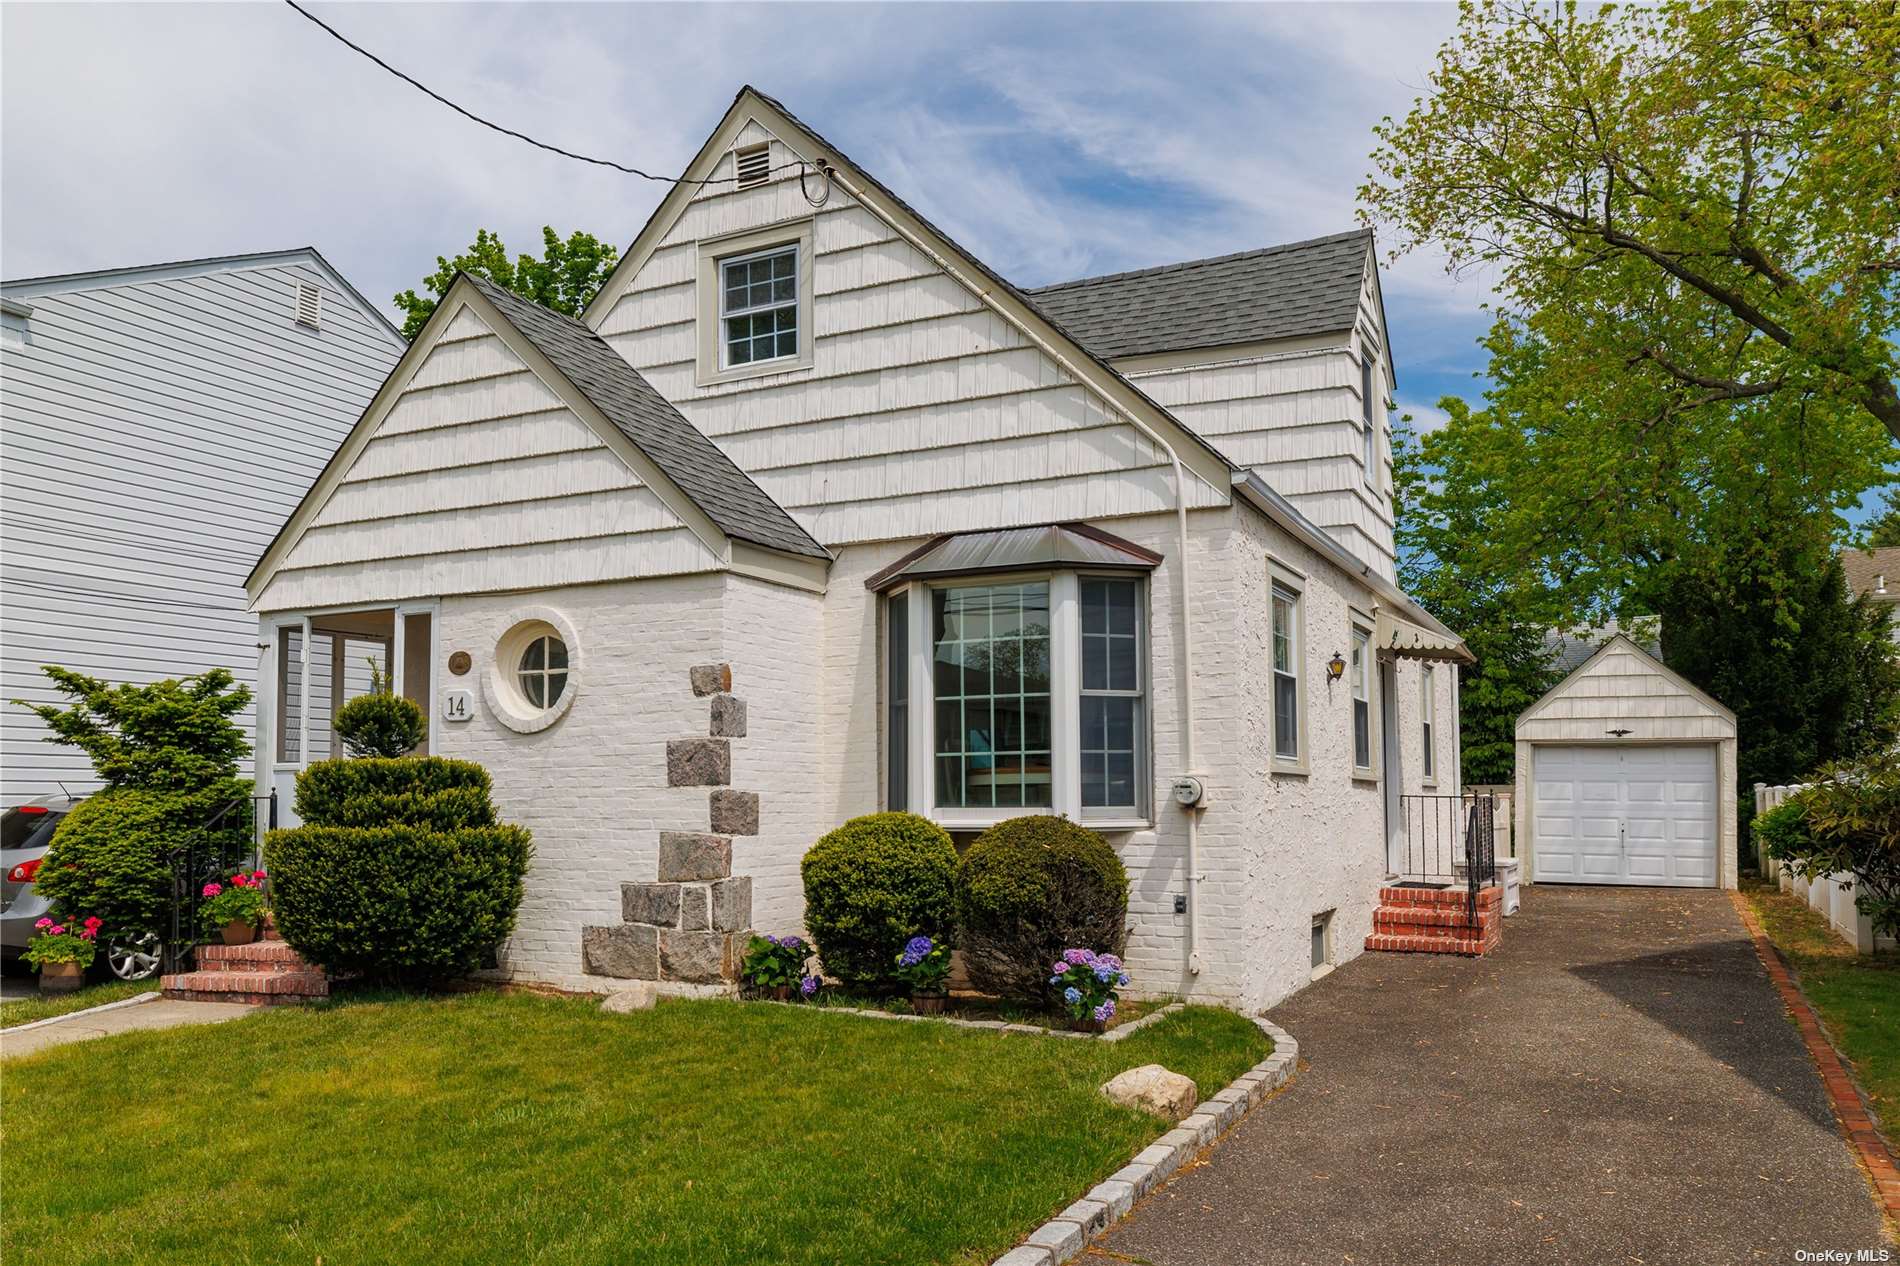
pixel 1621 646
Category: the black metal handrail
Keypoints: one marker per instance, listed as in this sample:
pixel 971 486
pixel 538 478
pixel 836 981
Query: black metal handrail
pixel 1450 841
pixel 207 854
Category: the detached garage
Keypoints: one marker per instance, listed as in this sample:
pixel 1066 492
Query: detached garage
pixel 1626 775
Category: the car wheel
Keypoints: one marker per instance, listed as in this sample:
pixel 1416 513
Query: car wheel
pixel 136 958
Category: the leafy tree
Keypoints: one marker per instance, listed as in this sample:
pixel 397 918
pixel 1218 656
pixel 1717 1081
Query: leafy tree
pixel 1885 528
pixel 1501 612
pixel 1686 207
pixel 565 278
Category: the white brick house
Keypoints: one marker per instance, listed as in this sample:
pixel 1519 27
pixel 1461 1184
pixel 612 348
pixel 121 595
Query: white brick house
pixel 965 550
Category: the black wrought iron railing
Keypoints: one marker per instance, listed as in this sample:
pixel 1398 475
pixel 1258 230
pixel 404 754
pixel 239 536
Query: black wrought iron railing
pixel 1449 841
pixel 229 837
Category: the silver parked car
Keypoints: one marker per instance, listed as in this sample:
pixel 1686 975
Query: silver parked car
pixel 25 832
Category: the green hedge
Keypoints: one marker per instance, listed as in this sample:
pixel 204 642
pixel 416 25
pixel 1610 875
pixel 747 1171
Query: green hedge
pixel 380 724
pixel 870 886
pixel 1029 888
pixel 397 902
pixel 110 856
pixel 417 790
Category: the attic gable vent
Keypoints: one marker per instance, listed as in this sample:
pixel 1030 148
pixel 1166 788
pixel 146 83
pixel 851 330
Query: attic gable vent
pixel 751 165
pixel 309 305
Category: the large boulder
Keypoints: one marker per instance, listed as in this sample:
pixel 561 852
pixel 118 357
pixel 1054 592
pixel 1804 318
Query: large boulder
pixel 1153 1088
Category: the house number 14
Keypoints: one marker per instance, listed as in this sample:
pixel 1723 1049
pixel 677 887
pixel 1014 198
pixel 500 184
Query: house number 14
pixel 458 705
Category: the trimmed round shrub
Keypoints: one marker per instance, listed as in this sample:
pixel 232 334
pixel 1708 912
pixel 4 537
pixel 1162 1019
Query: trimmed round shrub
pixel 430 791
pixel 870 886
pixel 397 903
pixel 111 856
pixel 400 871
pixel 1029 888
pixel 380 724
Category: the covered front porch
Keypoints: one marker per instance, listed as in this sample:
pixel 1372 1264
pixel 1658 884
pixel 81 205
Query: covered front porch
pixel 311 663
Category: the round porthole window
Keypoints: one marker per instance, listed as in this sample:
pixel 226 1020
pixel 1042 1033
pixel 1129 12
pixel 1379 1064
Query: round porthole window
pixel 533 678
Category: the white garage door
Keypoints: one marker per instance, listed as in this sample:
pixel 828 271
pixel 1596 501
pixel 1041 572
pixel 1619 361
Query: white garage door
pixel 1625 815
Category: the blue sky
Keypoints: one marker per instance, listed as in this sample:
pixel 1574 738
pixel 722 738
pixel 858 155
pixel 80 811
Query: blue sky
pixel 1055 141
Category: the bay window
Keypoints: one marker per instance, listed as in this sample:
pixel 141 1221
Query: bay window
pixel 1018 692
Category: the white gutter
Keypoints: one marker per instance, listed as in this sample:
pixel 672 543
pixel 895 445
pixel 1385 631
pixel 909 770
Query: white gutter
pixel 984 291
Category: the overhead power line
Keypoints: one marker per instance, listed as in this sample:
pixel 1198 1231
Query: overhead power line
pixel 492 126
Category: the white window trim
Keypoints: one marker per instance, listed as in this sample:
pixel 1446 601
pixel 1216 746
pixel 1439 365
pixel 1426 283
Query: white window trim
pixel 1065 706
pixel 711 368
pixel 501 688
pixel 1280 576
pixel 1361 625
pixel 1428 723
pixel 1371 390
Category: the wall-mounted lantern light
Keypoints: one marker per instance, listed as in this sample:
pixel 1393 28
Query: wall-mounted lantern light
pixel 1335 668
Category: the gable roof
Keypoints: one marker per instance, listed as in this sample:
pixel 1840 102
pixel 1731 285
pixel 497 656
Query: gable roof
pixel 1620 642
pixel 24 288
pixel 1865 566
pixel 1301 288
pixel 738 506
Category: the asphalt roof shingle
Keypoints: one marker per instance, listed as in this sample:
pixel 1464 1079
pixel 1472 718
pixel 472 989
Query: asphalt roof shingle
pixel 1309 287
pixel 702 471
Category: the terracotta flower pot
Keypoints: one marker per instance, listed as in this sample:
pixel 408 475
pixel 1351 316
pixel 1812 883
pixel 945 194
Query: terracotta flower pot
pixel 1087 1024
pixel 929 1003
pixel 238 932
pixel 61 977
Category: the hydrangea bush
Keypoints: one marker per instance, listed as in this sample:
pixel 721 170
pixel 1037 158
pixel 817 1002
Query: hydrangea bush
pixel 924 964
pixel 778 962
pixel 1087 983
pixel 56 942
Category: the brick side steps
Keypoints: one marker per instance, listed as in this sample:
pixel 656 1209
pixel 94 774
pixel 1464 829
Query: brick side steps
pixel 1432 921
pixel 266 973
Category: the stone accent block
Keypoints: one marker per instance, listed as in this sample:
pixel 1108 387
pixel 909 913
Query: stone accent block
pixel 1155 1089
pixel 728 717
pixel 657 904
pixel 1063 1240
pixel 705 762
pixel 627 950
pixel 701 958
pixel 735 812
pixel 693 857
pixel 695 908
pixel 710 679
pixel 732 904
pixel 639 996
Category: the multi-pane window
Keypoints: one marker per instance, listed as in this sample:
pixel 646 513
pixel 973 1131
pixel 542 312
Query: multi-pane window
pixel 1286 680
pixel 1428 681
pixel 543 671
pixel 1371 417
pixel 1111 693
pixel 758 306
pixel 990 673
pixel 1361 672
pixel 897 694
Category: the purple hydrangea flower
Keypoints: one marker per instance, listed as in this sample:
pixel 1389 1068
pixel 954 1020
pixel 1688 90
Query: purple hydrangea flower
pixel 915 951
pixel 1055 980
pixel 792 943
pixel 1122 980
pixel 808 986
pixel 1072 995
pixel 1106 1011
pixel 1103 972
pixel 1060 967
pixel 1111 961
pixel 1079 957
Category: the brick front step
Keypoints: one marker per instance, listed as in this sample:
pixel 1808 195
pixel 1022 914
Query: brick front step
pixel 1423 918
pixel 1470 947
pixel 1435 921
pixel 247 986
pixel 268 956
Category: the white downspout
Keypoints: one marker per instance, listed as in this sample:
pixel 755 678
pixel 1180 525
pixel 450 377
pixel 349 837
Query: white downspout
pixel 1186 686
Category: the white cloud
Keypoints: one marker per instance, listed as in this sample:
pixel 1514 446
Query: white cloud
pixel 1426 418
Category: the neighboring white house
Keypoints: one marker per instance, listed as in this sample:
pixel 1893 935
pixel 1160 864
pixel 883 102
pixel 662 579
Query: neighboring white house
pixel 1626 775
pixel 814 515
pixel 159 424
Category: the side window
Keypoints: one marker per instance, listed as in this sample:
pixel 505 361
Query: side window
pixel 1113 728
pixel 1428 688
pixel 1287 658
pixel 1360 672
pixel 758 307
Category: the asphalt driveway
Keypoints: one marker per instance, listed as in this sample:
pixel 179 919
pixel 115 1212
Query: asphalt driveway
pixel 1617 1083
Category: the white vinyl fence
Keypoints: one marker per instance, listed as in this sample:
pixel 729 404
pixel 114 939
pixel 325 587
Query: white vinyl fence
pixel 1832 895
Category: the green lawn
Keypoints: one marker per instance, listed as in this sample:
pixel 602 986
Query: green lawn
pixel 1857 996
pixel 26 1010
pixel 515 1128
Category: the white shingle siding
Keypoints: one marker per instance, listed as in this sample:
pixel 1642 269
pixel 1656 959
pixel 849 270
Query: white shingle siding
pixel 480 478
pixel 159 425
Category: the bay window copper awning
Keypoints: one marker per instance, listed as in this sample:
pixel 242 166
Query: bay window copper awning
pixel 1039 548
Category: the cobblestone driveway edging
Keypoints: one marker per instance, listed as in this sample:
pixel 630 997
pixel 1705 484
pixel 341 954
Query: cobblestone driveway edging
pixel 1065 1236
